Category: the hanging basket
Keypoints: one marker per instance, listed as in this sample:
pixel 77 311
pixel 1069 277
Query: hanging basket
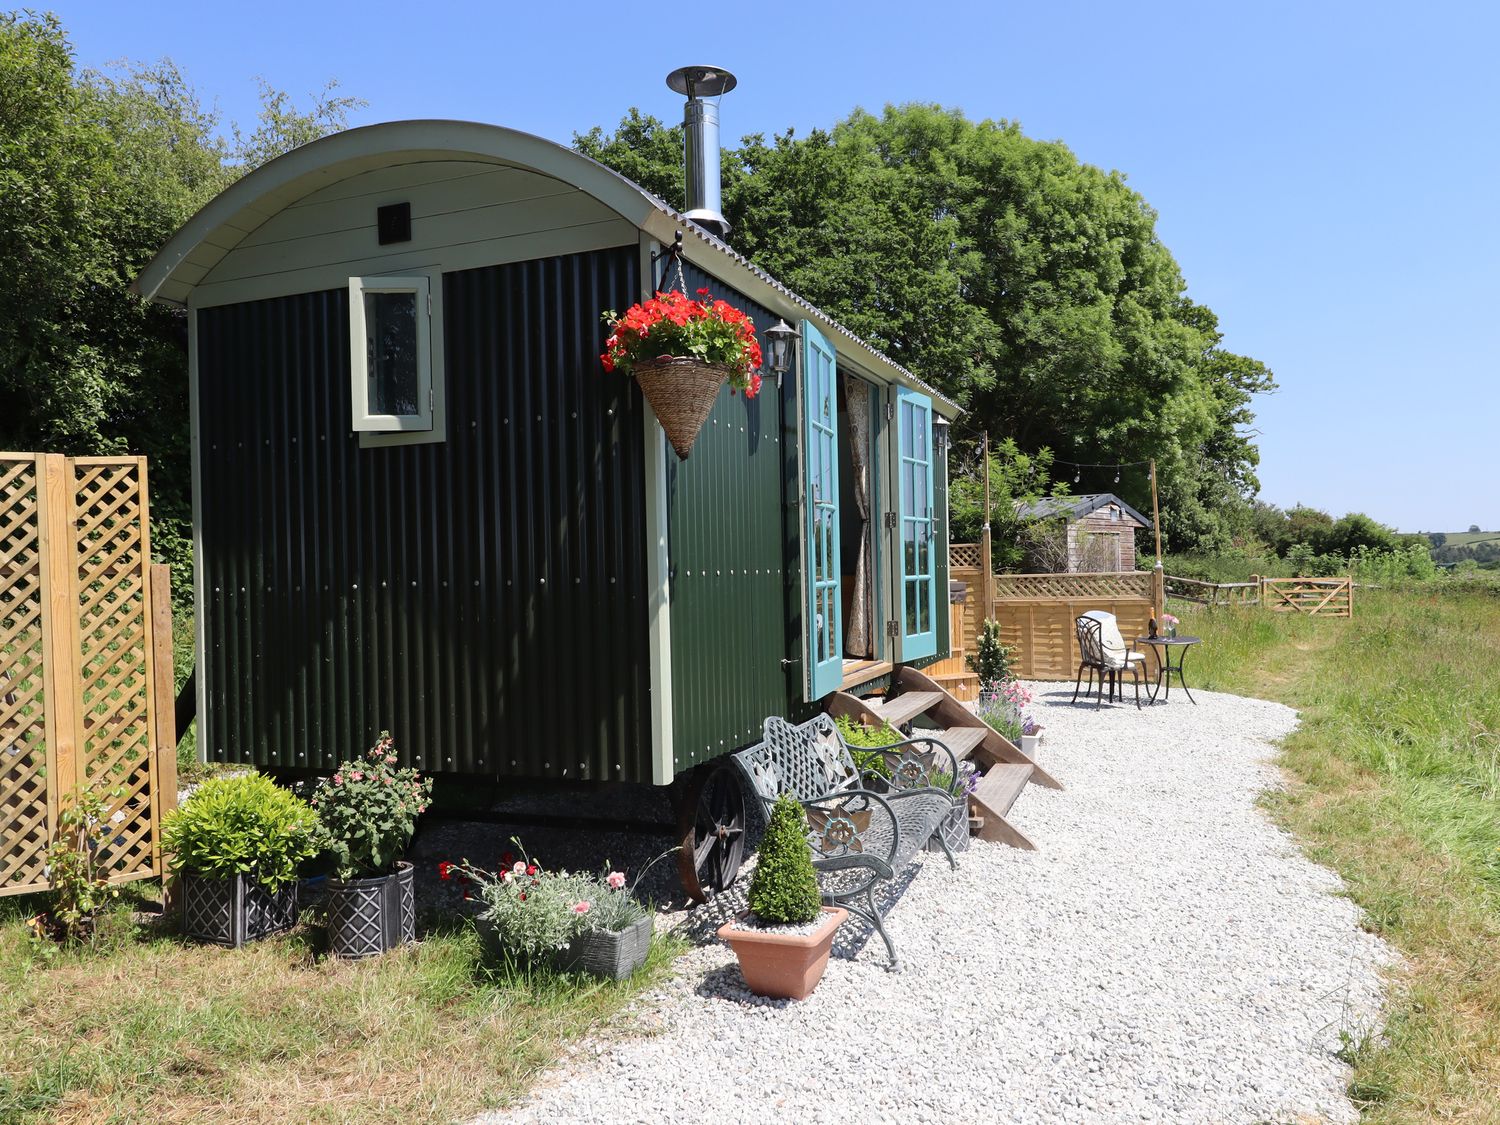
pixel 682 391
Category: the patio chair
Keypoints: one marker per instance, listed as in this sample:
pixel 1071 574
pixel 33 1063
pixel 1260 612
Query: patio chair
pixel 1101 649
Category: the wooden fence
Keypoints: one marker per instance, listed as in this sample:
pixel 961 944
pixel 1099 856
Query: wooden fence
pixel 85 662
pixel 1037 612
pixel 953 672
pixel 1213 593
pixel 1317 597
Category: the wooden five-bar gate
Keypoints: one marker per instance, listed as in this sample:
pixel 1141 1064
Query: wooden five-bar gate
pixel 85 662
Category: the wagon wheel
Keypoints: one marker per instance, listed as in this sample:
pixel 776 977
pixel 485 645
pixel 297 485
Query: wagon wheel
pixel 711 827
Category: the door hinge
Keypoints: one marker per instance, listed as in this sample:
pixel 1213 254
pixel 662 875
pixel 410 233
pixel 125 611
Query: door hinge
pixel 892 629
pixel 890 412
pixel 429 302
pixel 890 521
pixel 431 398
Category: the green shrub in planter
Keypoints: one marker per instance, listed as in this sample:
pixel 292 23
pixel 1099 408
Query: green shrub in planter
pixel 246 825
pixel 238 842
pixel 784 889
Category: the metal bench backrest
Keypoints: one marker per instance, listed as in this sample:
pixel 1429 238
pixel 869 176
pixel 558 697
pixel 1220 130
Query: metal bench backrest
pixel 807 761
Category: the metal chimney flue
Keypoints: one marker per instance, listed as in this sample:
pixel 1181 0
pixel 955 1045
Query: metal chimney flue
pixel 702 85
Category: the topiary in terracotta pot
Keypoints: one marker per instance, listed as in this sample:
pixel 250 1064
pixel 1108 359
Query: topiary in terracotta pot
pixel 783 941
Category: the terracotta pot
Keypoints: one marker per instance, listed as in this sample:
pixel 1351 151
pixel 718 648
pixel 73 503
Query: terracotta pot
pixel 682 391
pixel 783 966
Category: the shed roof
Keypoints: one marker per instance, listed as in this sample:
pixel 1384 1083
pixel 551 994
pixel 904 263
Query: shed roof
pixel 1077 507
pixel 237 211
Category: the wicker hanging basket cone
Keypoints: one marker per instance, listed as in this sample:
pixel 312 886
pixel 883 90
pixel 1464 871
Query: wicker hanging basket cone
pixel 682 391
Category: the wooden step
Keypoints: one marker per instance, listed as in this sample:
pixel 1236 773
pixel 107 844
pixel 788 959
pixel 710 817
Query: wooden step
pixel 907 706
pixel 961 740
pixel 998 789
pixel 949 712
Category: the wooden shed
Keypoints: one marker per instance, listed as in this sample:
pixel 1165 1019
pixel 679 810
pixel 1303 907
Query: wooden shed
pixel 1100 529
pixel 500 559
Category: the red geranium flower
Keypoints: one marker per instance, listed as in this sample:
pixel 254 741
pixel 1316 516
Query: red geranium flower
pixel 672 324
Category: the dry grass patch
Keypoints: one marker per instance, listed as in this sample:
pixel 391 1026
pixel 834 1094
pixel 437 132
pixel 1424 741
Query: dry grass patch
pixel 155 1029
pixel 1394 776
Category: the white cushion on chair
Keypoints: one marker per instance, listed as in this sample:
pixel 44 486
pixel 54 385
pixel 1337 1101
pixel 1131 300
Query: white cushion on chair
pixel 1116 655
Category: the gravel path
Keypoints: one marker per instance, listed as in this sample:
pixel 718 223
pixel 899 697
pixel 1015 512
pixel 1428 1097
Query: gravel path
pixel 1166 955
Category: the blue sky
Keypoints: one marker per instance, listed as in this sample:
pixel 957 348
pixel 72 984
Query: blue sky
pixel 1325 173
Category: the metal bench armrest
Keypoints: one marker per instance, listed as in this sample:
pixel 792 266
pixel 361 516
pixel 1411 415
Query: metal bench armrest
pixel 908 770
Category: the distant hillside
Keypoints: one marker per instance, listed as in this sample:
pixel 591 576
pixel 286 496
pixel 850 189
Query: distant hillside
pixel 1470 538
pixel 1456 546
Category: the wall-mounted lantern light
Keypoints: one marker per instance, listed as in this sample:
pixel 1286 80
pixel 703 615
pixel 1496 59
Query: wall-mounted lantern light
pixel 940 432
pixel 781 340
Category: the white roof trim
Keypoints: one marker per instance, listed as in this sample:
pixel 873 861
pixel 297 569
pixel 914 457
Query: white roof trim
pixel 231 215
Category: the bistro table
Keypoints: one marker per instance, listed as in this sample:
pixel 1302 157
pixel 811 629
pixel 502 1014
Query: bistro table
pixel 1162 647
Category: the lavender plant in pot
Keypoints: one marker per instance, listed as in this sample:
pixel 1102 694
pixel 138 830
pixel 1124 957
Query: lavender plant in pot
pixel 783 941
pixel 1031 737
pixel 369 809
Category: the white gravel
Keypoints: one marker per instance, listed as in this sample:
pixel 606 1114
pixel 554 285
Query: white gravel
pixel 1166 955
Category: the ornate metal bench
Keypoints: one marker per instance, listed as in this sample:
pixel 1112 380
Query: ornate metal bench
pixel 859 836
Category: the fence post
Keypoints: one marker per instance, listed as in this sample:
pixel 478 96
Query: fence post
pixel 60 645
pixel 164 788
pixel 986 577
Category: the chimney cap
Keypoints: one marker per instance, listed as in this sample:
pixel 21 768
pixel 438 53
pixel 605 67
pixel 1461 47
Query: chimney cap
pixel 701 81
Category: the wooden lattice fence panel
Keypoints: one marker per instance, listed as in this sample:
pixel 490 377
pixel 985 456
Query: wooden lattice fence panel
pixel 1132 584
pixel 79 628
pixel 1037 614
pixel 24 796
pixel 113 558
pixel 962 555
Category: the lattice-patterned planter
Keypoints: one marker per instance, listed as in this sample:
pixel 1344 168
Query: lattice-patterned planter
pixel 368 917
pixel 954 828
pixel 614 956
pixel 235 911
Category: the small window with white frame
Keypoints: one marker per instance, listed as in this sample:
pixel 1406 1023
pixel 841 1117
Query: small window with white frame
pixel 395 353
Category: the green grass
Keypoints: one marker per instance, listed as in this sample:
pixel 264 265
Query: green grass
pixel 152 1028
pixel 1395 773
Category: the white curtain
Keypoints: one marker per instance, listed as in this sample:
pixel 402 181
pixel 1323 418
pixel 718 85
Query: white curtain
pixel 857 404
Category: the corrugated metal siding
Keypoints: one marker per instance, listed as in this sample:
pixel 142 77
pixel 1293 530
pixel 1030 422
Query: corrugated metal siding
pixel 732 560
pixel 481 597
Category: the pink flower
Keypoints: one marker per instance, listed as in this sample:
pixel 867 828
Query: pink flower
pixel 386 780
pixel 506 876
pixel 616 879
pixel 338 779
pixel 519 868
pixel 580 908
pixel 390 759
pixel 357 776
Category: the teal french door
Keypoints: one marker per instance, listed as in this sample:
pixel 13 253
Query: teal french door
pixel 823 627
pixel 916 601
